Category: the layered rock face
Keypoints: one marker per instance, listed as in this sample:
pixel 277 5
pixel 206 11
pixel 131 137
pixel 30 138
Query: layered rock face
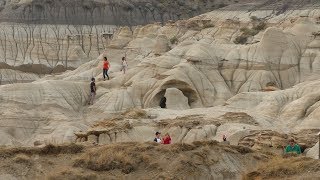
pixel 117 12
pixel 39 40
pixel 47 49
pixel 198 66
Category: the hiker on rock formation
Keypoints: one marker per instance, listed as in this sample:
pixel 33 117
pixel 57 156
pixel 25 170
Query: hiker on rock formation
pixel 157 139
pixel 106 66
pixel 93 91
pixel 293 147
pixel 166 139
pixel 224 138
pixel 225 141
pixel 124 65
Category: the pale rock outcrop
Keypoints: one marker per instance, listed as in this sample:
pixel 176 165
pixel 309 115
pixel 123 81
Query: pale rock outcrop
pixel 313 152
pixel 200 133
pixel 162 45
pixel 176 99
pixel 204 67
pixel 122 38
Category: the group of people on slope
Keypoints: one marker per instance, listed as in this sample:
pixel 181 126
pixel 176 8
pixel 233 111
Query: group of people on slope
pixel 105 70
pixel 166 139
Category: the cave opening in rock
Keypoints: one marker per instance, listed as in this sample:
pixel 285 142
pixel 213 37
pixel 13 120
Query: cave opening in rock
pixel 161 100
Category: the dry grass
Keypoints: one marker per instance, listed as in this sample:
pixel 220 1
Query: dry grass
pixel 280 167
pixel 135 113
pixel 130 157
pixel 138 160
pixel 22 158
pixel 70 174
pixel 47 150
pixel 125 157
pixel 238 117
pixel 185 121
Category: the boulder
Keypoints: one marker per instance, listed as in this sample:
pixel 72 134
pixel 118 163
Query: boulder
pixel 175 99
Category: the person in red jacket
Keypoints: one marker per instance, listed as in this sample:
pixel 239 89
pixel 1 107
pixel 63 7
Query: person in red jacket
pixel 166 139
pixel 106 66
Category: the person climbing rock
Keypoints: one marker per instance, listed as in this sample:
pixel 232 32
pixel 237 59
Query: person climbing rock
pixel 293 147
pixel 106 66
pixel 93 91
pixel 124 65
pixel 157 139
pixel 166 139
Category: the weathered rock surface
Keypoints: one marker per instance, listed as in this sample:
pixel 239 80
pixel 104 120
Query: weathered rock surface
pixel 314 152
pixel 176 99
pixel 203 70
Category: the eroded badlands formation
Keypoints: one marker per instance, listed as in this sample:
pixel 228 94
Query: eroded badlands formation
pixel 213 85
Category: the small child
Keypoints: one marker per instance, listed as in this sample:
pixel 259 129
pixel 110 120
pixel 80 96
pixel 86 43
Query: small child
pixel 124 65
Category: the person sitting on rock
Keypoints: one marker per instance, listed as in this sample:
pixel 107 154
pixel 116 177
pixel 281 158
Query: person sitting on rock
pixel 157 139
pixel 293 147
pixel 166 139
pixel 93 91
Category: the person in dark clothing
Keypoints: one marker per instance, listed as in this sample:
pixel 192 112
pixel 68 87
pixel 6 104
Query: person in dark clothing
pixel 224 137
pixel 157 139
pixel 93 91
pixel 106 66
pixel 163 102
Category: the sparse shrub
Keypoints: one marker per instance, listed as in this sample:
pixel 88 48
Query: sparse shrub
pixel 135 113
pixel 280 167
pixel 105 160
pixel 22 158
pixel 61 149
pixel 271 84
pixel 246 32
pixel 174 40
pixel 208 25
pixel 15 6
pixel 242 39
pixel 221 5
pixel 39 7
pixel 249 32
pixel 254 18
pixel 71 174
pixel 260 26
pixel 243 149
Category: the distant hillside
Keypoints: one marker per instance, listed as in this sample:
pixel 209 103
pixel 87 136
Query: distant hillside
pixel 129 12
